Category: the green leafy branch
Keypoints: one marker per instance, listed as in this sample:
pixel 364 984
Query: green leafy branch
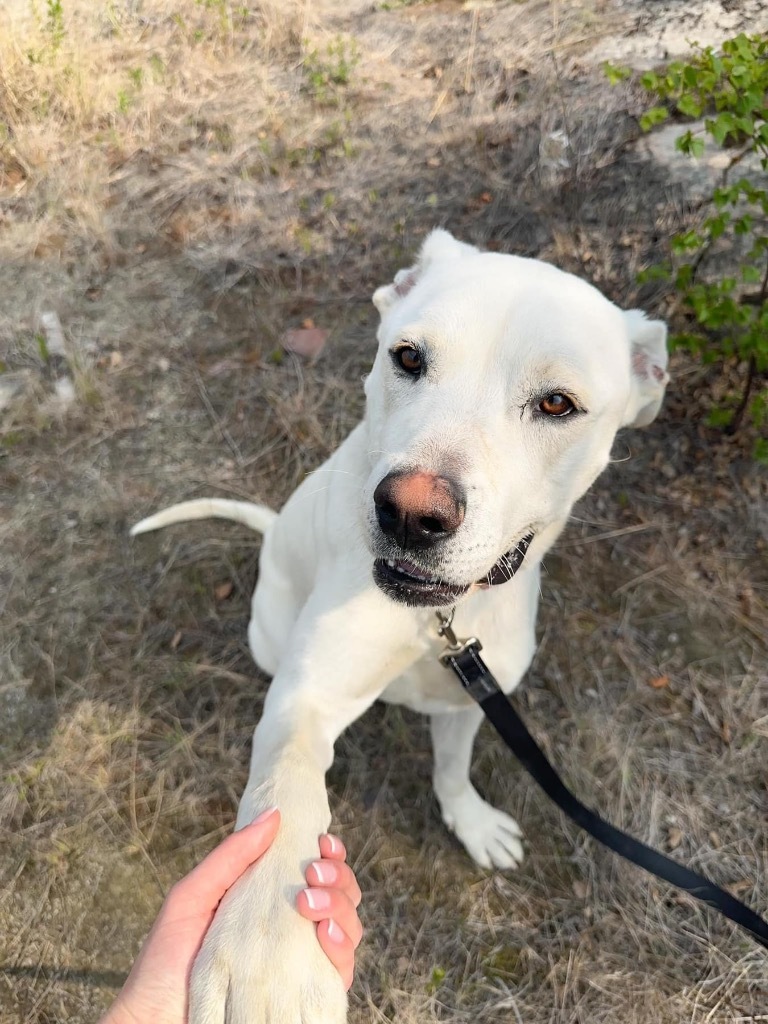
pixel 727 91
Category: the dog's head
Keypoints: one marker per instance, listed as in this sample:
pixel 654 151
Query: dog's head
pixel 492 405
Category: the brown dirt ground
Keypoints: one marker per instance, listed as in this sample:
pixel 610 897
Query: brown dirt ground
pixel 180 186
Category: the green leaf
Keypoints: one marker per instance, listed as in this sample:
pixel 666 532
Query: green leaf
pixel 717 225
pixel 743 225
pixel 721 127
pixel 691 76
pixel 750 274
pixel 719 417
pixel 650 81
pixel 689 144
pixel 761 450
pixel 686 241
pixel 731 86
pixel 684 276
pixel 657 272
pixel 689 105
pixel 614 73
pixel 696 147
pixel 722 196
pixel 652 117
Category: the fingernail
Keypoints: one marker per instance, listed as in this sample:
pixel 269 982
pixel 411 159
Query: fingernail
pixel 318 899
pixel 335 931
pixel 264 815
pixel 323 872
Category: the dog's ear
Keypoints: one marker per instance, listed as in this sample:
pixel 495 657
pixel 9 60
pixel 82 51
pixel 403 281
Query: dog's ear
pixel 439 246
pixel 648 341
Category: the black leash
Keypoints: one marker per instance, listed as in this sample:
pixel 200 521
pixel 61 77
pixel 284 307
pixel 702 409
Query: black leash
pixel 463 657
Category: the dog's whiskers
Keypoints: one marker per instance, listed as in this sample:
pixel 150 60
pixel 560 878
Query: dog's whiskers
pixel 340 472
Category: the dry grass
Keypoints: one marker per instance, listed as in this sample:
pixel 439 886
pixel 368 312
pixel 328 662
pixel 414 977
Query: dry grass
pixel 182 181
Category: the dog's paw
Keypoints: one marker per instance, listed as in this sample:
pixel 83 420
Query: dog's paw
pixel 491 837
pixel 261 962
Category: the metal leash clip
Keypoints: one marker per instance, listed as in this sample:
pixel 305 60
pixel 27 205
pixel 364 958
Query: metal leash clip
pixel 455 646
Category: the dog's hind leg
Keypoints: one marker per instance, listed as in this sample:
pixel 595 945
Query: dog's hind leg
pixel 275 607
pixel 491 837
pixel 267 631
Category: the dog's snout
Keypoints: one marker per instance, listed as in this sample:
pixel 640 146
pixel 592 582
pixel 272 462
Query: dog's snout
pixel 419 509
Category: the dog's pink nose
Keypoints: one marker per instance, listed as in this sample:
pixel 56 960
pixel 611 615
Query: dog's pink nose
pixel 419 509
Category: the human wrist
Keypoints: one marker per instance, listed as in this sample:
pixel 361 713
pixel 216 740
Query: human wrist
pixel 119 1013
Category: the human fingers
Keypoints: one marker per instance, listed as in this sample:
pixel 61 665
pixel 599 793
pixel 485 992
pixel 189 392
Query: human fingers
pixel 332 848
pixel 335 875
pixel 205 885
pixel 339 949
pixel 321 904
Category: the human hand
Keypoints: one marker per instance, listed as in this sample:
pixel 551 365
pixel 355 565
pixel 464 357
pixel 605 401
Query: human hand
pixel 332 900
pixel 156 991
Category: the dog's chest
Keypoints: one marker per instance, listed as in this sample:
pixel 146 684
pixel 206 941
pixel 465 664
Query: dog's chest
pixel 504 622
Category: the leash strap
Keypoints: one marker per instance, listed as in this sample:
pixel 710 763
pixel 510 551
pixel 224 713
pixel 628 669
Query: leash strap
pixel 478 681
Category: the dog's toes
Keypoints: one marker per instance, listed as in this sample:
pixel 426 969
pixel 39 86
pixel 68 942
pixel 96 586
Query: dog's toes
pixel 491 837
pixel 506 851
pixel 494 847
pixel 479 854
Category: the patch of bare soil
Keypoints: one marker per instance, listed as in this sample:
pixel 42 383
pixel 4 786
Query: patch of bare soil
pixel 182 183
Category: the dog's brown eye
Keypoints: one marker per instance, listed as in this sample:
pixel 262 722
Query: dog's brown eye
pixel 556 405
pixel 408 358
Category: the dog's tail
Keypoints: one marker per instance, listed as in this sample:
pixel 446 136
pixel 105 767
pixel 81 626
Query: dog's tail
pixel 257 517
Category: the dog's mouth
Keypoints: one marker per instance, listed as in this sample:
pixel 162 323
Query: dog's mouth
pixel 408 583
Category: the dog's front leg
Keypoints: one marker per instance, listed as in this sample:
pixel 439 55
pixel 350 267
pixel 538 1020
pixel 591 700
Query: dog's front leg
pixel 260 962
pixel 491 837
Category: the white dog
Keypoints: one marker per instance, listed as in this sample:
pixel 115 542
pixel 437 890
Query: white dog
pixel 496 393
